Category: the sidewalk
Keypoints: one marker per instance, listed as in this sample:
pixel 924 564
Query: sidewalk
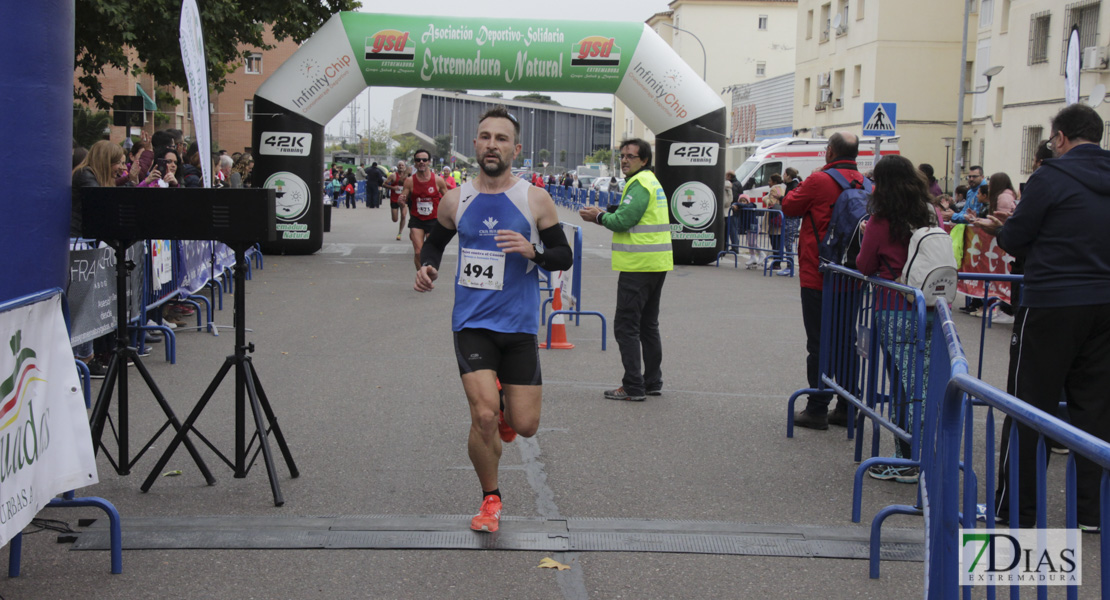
pixel 361 373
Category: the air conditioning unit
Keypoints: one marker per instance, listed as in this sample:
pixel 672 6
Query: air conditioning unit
pixel 826 95
pixel 1096 58
pixel 838 103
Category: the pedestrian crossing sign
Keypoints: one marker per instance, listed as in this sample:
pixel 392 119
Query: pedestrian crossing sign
pixel 880 118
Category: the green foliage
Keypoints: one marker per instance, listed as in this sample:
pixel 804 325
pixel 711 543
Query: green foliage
pixel 405 148
pixel 537 98
pixel 603 156
pixel 545 155
pixel 495 95
pixel 380 140
pixel 563 156
pixel 107 28
pixel 443 147
pixel 88 126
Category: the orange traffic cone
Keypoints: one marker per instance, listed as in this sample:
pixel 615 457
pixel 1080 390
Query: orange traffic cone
pixel 558 328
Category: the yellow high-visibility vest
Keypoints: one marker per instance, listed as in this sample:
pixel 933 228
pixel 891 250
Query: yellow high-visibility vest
pixel 646 246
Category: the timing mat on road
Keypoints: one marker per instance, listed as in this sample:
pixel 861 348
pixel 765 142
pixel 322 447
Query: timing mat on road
pixel 451 532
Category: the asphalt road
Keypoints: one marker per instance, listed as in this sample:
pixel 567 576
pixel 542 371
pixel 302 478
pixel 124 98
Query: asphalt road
pixel 361 374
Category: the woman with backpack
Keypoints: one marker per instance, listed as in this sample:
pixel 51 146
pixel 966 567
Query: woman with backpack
pixel 899 205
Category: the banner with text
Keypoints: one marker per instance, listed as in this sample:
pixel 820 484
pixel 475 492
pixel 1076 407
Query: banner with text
pixel 44 432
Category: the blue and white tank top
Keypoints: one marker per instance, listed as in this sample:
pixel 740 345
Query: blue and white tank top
pixel 495 290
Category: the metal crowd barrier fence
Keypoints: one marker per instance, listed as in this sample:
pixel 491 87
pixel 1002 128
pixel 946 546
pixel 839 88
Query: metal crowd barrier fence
pixel 947 511
pixel 571 298
pixel 991 303
pixel 873 355
pixel 760 231
pixel 68 499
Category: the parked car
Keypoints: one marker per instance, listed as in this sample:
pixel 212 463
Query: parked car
pixel 601 184
pixel 584 181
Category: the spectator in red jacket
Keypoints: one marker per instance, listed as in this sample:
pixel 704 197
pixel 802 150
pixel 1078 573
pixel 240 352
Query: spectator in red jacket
pixel 812 201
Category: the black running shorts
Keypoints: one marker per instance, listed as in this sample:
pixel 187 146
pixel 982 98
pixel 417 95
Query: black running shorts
pixel 514 357
pixel 426 226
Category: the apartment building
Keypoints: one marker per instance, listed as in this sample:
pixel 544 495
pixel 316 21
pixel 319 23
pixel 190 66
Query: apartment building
pixel 729 42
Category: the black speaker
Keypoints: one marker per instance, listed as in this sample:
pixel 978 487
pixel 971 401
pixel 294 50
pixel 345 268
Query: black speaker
pixel 225 215
pixel 127 110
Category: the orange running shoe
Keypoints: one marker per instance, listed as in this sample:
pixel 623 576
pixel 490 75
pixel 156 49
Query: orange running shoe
pixel 488 516
pixel 506 430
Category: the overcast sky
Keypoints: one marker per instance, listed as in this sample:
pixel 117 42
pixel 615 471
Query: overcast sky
pixel 381 98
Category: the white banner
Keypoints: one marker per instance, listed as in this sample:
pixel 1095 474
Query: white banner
pixel 45 443
pixel 196 71
pixel 1071 69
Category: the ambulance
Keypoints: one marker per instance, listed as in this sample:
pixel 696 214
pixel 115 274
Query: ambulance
pixel 807 155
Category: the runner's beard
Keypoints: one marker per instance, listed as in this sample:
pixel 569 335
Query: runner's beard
pixel 494 170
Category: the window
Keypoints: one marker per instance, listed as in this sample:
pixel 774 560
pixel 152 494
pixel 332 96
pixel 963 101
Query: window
pixel 628 123
pixel 763 22
pixel 188 109
pixel 857 75
pixel 842 11
pixel 1038 37
pixel 809 25
pixel 805 95
pixel 1004 24
pixel 760 69
pixel 859 10
pixel 826 9
pixel 248 110
pixel 986 14
pixel 969 75
pixel 838 88
pixel 254 64
pixel 1030 139
pixel 1085 15
pixel 762 176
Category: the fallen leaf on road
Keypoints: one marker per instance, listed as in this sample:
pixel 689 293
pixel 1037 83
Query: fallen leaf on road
pixel 550 563
pixel 171 473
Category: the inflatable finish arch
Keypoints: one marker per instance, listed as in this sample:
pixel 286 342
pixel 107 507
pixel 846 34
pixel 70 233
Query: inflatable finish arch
pixel 354 50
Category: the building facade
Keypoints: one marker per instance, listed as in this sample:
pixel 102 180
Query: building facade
pixel 729 42
pixel 567 135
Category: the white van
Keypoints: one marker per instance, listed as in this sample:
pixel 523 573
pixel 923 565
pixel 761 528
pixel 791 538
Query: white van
pixel 804 154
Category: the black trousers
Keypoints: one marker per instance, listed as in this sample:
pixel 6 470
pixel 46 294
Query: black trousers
pixel 1056 351
pixel 845 363
pixel 636 327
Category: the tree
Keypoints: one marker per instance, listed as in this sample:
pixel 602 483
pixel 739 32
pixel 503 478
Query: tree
pixel 109 28
pixel 405 148
pixel 602 155
pixel 88 126
pixel 545 155
pixel 538 98
pixel 495 95
pixel 443 147
pixel 563 156
pixel 380 140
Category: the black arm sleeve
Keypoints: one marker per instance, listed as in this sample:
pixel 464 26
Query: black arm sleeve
pixel 557 255
pixel 432 251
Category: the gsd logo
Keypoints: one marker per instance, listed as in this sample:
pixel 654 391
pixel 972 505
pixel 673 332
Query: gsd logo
pixel 390 45
pixel 596 51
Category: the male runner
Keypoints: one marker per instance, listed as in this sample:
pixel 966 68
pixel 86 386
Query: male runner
pixel 499 219
pixel 395 183
pixel 422 193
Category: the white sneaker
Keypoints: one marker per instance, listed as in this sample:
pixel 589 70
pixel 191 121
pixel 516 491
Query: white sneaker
pixel 1003 318
pixel 752 260
pixel 783 273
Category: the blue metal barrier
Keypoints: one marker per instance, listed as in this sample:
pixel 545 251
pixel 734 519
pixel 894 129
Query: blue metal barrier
pixel 873 353
pixel 755 230
pixel 575 296
pixel 947 511
pixel 990 303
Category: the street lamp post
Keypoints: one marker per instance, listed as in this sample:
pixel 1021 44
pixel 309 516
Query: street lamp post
pixel 532 152
pixel 947 146
pixel 703 54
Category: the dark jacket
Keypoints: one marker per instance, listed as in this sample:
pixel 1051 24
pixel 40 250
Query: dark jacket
pixel 190 176
pixel 1060 228
pixel 83 178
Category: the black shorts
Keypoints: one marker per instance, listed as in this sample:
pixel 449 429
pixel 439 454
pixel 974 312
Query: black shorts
pixel 415 223
pixel 515 357
pixel 397 205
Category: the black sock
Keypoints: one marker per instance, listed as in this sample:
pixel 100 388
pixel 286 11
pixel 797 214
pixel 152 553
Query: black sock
pixel 495 492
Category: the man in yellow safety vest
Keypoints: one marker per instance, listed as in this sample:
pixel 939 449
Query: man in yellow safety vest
pixel 642 254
